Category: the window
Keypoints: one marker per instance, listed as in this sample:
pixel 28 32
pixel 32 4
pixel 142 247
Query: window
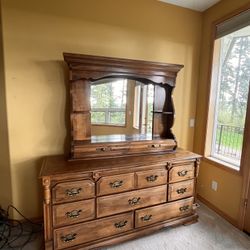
pixel 229 93
pixel 108 102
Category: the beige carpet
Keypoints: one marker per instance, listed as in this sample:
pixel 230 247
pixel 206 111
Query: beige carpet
pixel 211 233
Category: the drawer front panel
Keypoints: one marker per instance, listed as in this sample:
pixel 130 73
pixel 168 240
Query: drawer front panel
pixel 78 234
pixel 151 178
pixel 148 216
pixel 115 184
pixel 180 190
pixel 74 212
pixel 72 191
pixel 181 172
pixel 157 146
pixel 128 201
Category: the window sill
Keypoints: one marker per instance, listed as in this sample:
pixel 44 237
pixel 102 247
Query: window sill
pixel 108 125
pixel 223 165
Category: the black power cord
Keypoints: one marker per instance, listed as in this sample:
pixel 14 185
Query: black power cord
pixel 13 231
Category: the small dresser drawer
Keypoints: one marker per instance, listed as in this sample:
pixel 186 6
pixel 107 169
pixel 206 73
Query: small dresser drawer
pixel 115 184
pixel 180 190
pixel 73 212
pixel 157 146
pixel 82 233
pixel 181 172
pixel 72 191
pixel 151 178
pixel 160 213
pixel 114 204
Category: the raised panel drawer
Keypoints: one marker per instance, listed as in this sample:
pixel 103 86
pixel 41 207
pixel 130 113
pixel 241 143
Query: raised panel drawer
pixel 73 212
pixel 118 203
pixel 160 213
pixel 180 190
pixel 85 232
pixel 181 172
pixel 115 184
pixel 72 191
pixel 151 178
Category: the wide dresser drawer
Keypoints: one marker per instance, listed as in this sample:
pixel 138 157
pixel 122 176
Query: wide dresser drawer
pixel 89 231
pixel 160 213
pixel 118 203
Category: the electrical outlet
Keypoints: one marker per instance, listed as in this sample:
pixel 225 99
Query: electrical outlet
pixel 191 123
pixel 214 185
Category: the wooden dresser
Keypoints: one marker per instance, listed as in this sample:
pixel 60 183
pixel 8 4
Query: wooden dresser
pixel 94 203
pixel 118 186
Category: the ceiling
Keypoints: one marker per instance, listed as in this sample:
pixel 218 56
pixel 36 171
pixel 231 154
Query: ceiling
pixel 199 5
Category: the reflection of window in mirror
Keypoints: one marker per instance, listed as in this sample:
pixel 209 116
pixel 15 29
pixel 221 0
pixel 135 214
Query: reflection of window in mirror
pixel 143 107
pixel 108 102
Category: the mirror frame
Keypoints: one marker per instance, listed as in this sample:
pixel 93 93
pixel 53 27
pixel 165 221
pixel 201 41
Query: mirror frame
pixel 84 69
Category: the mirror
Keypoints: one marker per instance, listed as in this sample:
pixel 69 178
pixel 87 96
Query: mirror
pixel 121 107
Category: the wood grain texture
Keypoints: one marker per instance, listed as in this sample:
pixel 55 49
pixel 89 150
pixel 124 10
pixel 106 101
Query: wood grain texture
pixel 181 172
pixel 118 203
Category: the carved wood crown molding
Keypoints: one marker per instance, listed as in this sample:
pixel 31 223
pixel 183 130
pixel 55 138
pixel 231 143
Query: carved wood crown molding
pixel 96 67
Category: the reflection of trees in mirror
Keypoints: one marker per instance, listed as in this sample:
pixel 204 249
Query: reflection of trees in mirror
pixel 108 102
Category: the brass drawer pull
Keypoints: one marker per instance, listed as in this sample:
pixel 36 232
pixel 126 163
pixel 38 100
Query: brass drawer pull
pixel 68 238
pixel 181 190
pixel 73 191
pixel 151 178
pixel 182 173
pixel 74 213
pixel 184 208
pixel 134 201
pixel 121 224
pixel 146 217
pixel 103 149
pixel 155 145
pixel 116 184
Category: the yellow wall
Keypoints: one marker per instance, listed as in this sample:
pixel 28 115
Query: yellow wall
pixel 227 198
pixel 36 34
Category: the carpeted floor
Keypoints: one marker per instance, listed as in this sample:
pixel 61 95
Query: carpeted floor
pixel 211 233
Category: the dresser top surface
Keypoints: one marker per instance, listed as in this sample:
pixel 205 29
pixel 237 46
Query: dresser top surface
pixel 59 164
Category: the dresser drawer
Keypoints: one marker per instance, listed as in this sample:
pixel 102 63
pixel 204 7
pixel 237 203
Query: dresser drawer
pixel 160 213
pixel 180 190
pixel 82 233
pixel 118 203
pixel 151 178
pixel 72 191
pixel 115 184
pixel 157 146
pixel 73 212
pixel 181 172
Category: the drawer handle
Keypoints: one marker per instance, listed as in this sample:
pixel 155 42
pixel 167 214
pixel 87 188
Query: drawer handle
pixel 103 149
pixel 151 178
pixel 182 173
pixel 181 190
pixel 134 201
pixel 73 191
pixel 155 145
pixel 146 217
pixel 116 184
pixel 184 208
pixel 68 238
pixel 121 224
pixel 73 214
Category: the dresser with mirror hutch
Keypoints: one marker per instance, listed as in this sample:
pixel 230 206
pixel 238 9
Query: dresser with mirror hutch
pixel 125 176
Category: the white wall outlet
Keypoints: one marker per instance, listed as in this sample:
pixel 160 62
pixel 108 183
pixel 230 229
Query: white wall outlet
pixel 214 185
pixel 191 123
